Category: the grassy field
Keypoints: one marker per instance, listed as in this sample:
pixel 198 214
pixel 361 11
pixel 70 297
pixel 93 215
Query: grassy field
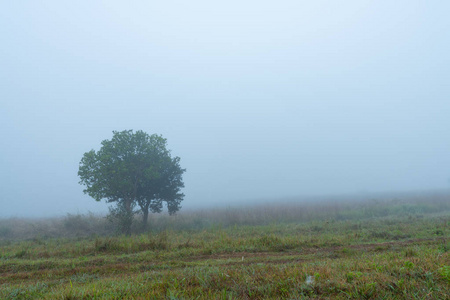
pixel 375 249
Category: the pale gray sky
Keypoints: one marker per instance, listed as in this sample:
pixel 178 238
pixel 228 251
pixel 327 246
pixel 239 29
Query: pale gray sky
pixel 258 98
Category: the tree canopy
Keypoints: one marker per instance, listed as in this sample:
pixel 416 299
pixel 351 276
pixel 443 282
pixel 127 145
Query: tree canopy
pixel 133 169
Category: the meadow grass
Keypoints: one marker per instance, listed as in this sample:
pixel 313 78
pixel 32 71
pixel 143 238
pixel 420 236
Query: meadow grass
pixel 378 249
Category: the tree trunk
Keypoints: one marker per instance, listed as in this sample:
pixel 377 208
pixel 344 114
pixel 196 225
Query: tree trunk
pixel 128 217
pixel 145 218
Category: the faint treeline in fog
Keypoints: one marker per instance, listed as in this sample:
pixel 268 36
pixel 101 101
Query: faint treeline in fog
pixel 281 211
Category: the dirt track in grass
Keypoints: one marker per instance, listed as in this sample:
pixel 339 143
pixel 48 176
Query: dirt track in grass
pixel 102 267
pixel 312 250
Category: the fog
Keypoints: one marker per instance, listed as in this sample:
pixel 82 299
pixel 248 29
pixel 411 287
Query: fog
pixel 259 99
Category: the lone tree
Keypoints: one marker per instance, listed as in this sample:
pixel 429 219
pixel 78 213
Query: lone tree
pixel 133 169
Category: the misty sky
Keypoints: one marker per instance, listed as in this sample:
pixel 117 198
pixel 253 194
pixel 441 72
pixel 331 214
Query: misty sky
pixel 260 99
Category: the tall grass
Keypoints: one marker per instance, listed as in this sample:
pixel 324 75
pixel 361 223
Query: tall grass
pixel 281 212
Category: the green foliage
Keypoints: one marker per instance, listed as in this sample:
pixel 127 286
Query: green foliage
pixel 21 253
pixel 445 273
pixel 121 217
pixel 133 169
pixel 353 275
pixel 409 265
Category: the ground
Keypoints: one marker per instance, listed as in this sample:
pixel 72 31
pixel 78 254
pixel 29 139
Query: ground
pixel 373 250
